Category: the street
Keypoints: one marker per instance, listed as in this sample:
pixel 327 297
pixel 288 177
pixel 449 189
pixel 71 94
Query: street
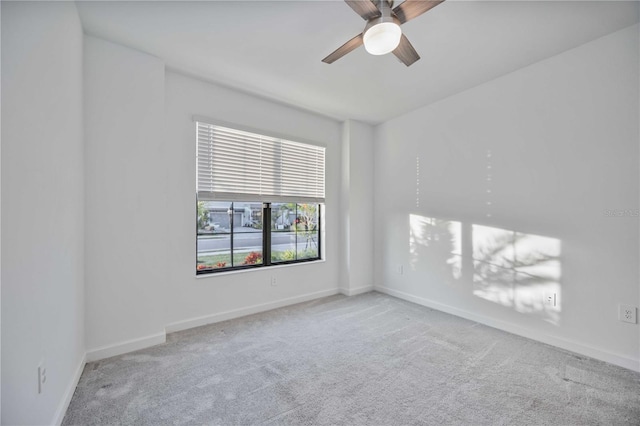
pixel 247 241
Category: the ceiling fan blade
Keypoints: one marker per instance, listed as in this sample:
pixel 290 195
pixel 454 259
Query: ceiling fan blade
pixel 364 8
pixel 344 49
pixel 405 52
pixel 410 9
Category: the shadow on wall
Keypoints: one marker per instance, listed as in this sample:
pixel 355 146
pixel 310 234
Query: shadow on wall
pixel 513 269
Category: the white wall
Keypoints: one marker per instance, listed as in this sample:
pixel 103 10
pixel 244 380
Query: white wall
pixel 356 207
pixel 559 140
pixel 140 202
pixel 126 195
pixel 213 296
pixel 42 208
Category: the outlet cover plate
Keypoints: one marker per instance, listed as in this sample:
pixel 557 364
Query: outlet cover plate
pixel 551 299
pixel 42 376
pixel 627 313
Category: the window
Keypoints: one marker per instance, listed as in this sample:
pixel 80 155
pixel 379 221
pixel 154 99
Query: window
pixel 294 232
pixel 259 200
pixel 229 234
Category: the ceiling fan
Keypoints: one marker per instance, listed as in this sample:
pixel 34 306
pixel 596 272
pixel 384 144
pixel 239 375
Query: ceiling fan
pixel 382 33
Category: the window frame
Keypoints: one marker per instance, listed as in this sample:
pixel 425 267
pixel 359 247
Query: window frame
pixel 266 241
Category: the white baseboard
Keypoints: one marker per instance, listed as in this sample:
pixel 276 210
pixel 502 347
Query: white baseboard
pixel 612 358
pixel 357 290
pixel 156 339
pixel 125 347
pixel 62 409
pixel 249 310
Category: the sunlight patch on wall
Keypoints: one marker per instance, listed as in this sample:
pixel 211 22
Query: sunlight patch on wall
pixel 517 270
pixel 436 244
pixel 489 201
pixel 417 182
pixel 513 269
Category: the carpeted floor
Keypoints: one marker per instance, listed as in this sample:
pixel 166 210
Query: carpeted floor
pixel 363 360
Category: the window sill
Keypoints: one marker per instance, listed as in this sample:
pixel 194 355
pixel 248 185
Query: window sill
pixel 250 270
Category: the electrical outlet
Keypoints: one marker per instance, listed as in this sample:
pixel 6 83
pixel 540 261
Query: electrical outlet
pixel 627 313
pixel 42 376
pixel 273 281
pixel 400 269
pixel 551 299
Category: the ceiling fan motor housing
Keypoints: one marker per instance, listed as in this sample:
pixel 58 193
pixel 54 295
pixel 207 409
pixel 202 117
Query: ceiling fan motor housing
pixel 382 34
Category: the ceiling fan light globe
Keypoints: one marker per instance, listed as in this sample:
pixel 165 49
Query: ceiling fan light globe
pixel 382 38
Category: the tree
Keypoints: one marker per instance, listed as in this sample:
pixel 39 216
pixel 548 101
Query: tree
pixel 306 222
pixel 203 215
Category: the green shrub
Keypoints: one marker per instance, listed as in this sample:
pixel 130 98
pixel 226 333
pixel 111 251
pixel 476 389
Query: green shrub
pixel 283 256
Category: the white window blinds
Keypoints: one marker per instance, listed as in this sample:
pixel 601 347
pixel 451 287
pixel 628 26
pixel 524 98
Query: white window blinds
pixel 238 165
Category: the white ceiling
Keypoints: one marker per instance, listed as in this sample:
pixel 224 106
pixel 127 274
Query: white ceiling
pixel 274 48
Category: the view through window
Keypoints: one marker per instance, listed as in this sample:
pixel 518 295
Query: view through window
pixel 232 234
